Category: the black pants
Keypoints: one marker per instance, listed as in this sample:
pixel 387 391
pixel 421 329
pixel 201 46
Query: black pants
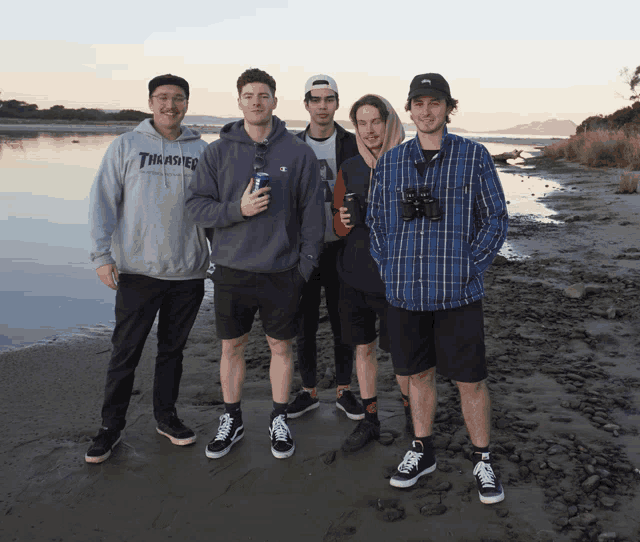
pixel 326 274
pixel 138 300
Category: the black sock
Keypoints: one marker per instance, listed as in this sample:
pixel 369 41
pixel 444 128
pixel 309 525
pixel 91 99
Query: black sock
pixel 427 442
pixel 477 452
pixel 233 409
pixel 278 408
pixel 371 409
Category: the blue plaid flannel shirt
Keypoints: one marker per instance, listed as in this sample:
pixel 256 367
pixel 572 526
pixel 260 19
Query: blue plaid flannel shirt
pixel 430 266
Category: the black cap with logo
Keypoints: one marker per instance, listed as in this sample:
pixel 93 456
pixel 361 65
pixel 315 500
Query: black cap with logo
pixel 429 84
pixel 168 79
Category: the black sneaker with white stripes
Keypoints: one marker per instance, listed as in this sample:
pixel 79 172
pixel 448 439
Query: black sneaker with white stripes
pixel 282 445
pixel 103 444
pixel 229 432
pixel 416 463
pixel 489 486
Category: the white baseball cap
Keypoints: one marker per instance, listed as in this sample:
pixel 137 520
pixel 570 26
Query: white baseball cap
pixel 320 81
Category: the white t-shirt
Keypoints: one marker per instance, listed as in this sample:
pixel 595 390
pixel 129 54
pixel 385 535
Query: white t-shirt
pixel 326 155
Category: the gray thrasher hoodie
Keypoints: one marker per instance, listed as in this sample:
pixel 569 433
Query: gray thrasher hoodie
pixel 289 232
pixel 137 206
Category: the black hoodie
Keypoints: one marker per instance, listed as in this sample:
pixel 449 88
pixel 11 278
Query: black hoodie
pixel 289 232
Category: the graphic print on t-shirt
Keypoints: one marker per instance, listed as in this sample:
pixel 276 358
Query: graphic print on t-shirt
pixel 327 179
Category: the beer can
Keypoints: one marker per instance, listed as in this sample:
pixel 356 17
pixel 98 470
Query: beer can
pixel 260 180
pixel 353 208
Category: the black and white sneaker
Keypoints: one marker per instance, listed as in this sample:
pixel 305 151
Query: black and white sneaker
pixel 417 462
pixel 229 432
pixel 350 405
pixel 282 445
pixel 303 402
pixel 489 486
pixel 177 432
pixel 103 444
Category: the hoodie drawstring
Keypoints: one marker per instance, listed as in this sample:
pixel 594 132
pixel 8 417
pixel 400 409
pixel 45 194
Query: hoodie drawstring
pixel 164 174
pixel 184 188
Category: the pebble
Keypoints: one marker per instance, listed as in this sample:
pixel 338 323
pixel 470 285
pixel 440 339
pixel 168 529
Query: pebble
pixel 607 502
pixel 605 537
pixel 433 510
pixel 386 439
pixel 591 483
pixel 329 457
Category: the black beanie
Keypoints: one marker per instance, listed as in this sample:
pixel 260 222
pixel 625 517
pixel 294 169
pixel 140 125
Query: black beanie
pixel 168 79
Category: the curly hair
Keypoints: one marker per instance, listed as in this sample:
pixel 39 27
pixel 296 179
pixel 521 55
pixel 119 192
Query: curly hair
pixel 453 104
pixel 254 75
pixel 374 101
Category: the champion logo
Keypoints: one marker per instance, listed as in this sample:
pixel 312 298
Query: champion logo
pixel 426 81
pixel 283 169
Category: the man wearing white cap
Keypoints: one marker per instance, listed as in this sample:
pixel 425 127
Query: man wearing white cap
pixel 332 145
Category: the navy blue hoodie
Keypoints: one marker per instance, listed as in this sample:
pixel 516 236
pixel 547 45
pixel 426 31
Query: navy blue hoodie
pixel 290 232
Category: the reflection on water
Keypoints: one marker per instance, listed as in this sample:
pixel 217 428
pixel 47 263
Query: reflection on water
pixel 48 284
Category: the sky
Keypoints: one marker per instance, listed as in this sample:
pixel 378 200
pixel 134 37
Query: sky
pixel 507 63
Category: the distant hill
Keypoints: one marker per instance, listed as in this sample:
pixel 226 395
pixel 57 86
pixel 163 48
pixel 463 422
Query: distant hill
pixel 551 127
pixel 206 119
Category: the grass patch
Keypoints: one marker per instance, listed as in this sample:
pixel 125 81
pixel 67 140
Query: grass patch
pixel 599 148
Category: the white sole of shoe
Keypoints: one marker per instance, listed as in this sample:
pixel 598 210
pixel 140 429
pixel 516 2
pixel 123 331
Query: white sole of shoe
pixel 298 414
pixel 283 455
pixel 222 453
pixel 349 415
pixel 104 457
pixel 491 500
pixel 412 481
pixel 177 441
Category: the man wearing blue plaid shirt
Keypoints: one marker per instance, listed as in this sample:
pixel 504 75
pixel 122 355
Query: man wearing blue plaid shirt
pixel 438 217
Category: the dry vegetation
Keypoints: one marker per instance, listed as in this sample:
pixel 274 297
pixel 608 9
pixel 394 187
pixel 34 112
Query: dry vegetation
pixel 599 148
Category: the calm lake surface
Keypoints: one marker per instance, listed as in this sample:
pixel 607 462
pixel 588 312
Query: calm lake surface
pixel 48 288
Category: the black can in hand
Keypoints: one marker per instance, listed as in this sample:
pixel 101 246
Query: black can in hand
pixel 260 180
pixel 353 208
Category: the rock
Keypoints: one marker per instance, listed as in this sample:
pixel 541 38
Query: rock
pixel 329 457
pixel 570 498
pixel 607 502
pixel 605 537
pixel 502 512
pixel 433 510
pixel 572 218
pixel 556 449
pixel 523 471
pixel 526 457
pixel 611 313
pixel 500 260
pixel 611 427
pixel 386 439
pixel 561 521
pixel 591 483
pixel 563 419
pixel 440 442
pixel 443 486
pixel 392 515
pixel 575 291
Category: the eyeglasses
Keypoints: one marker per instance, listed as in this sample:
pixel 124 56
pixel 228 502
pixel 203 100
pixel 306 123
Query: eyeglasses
pixel 259 159
pixel 178 100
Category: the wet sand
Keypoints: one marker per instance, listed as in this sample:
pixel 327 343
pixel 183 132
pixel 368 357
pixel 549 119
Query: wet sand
pixel 565 382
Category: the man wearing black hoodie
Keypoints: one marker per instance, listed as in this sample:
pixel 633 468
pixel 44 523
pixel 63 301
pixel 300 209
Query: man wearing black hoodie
pixel 265 245
pixel 332 145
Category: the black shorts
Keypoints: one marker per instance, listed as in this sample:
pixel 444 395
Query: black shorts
pixel 452 341
pixel 358 312
pixel 238 295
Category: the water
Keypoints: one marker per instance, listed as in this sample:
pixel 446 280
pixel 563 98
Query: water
pixel 47 285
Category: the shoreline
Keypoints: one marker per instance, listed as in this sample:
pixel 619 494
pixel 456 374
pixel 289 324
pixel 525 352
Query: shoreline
pixel 565 382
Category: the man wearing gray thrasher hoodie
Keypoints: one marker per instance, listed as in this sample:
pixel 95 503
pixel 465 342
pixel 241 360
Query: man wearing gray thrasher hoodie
pixel 146 248
pixel 264 245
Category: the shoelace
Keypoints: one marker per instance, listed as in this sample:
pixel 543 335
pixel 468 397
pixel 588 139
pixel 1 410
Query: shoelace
pixel 410 461
pixel 279 427
pixel 225 427
pixel 484 471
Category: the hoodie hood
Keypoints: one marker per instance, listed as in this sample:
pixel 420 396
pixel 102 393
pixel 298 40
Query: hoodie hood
pixel 234 131
pixel 393 135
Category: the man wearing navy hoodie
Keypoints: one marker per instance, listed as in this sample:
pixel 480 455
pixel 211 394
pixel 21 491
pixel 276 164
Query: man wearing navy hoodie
pixel 146 248
pixel 265 245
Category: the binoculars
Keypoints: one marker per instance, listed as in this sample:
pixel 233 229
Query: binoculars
pixel 420 204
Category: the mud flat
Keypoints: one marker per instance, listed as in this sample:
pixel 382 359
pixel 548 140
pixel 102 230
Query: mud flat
pixel 562 342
